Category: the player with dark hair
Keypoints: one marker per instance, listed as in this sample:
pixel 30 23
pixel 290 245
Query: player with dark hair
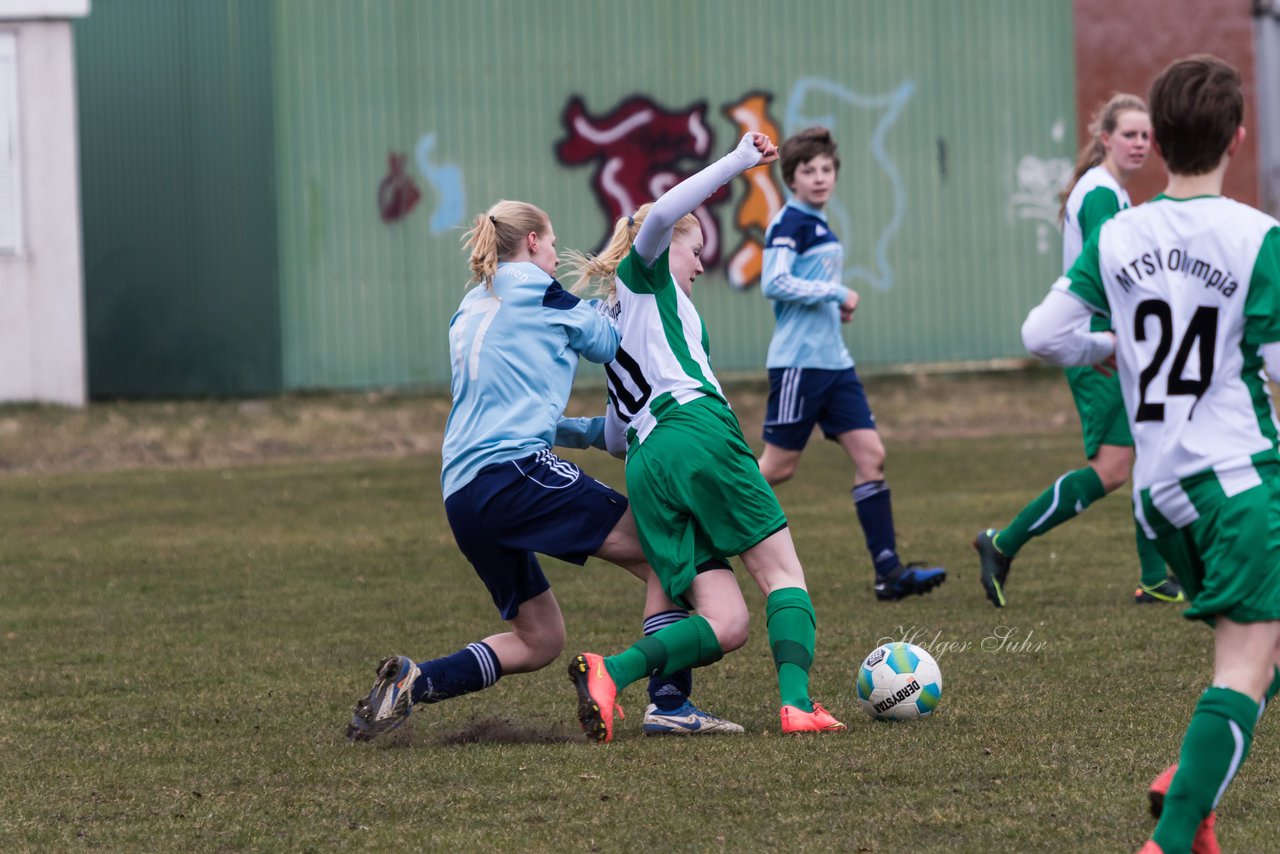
pixel 812 380
pixel 1191 284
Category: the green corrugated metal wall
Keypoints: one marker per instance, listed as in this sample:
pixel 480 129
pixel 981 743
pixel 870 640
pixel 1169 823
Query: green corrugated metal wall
pixel 366 303
pixel 954 118
pixel 177 170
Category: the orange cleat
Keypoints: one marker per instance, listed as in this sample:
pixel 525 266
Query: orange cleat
pixel 795 719
pixel 597 695
pixel 1158 788
pixel 1151 848
pixel 1206 841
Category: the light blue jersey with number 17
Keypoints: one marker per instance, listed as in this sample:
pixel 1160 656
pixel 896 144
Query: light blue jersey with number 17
pixel 514 351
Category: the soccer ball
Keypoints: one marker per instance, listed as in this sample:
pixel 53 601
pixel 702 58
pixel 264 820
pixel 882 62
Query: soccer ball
pixel 899 682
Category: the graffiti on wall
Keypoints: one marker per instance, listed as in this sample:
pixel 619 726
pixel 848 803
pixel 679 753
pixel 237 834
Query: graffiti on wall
pixel 398 193
pixel 763 197
pixel 639 150
pixel 445 180
pixel 818 101
pixel 1039 181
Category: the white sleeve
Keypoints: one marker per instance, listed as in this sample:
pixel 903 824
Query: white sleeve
pixel 1271 357
pixel 1057 331
pixel 655 232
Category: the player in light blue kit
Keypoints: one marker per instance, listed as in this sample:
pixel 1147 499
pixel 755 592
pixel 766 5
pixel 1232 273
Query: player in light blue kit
pixel 812 380
pixel 514 345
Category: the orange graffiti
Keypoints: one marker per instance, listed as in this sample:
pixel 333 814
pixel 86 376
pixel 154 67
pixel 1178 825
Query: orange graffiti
pixel 764 195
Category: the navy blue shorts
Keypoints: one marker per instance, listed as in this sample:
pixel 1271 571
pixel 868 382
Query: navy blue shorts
pixel 802 397
pixel 537 504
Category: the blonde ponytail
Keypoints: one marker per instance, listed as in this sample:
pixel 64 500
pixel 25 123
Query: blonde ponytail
pixel 595 274
pixel 498 233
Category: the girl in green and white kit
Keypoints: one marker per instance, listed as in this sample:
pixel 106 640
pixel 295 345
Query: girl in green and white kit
pixel 694 484
pixel 1119 147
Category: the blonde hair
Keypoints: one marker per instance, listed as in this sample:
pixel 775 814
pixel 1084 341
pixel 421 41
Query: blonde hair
pixel 498 233
pixel 1094 152
pixel 594 274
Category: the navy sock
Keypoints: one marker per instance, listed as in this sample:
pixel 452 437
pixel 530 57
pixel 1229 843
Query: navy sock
pixel 671 692
pixel 469 669
pixel 875 514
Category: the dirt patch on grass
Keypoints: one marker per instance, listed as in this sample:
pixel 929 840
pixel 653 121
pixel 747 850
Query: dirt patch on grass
pixel 122 435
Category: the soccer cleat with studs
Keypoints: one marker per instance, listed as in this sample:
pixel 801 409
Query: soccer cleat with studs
pixel 797 720
pixel 686 720
pixel 908 580
pixel 994 566
pixel 597 696
pixel 389 702
pixel 1168 590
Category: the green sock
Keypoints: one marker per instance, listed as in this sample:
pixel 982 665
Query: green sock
pixel 1066 499
pixel 1271 691
pixel 1153 568
pixel 688 643
pixel 792 629
pixel 1216 743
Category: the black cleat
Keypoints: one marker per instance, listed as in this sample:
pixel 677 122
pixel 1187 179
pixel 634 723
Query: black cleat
pixel 1168 590
pixel 995 566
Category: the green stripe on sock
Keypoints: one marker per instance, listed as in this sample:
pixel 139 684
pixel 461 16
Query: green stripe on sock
pixel 1066 499
pixel 791 621
pixel 1272 690
pixel 688 643
pixel 1215 746
pixel 790 652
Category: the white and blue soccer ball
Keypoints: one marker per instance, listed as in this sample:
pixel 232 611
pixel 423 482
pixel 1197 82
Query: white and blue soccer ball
pixel 899 682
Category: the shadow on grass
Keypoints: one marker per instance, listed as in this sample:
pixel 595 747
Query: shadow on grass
pixel 480 731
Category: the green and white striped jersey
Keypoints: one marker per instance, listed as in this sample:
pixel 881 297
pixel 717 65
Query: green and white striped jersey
pixel 1094 199
pixel 1192 289
pixel 662 361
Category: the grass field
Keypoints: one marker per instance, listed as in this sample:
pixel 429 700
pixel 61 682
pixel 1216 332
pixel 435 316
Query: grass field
pixel 180 647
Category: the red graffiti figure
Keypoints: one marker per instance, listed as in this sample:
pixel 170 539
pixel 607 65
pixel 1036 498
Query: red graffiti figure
pixel 397 194
pixel 638 147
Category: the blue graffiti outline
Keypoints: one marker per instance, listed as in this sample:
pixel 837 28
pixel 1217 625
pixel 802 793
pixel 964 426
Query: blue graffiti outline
pixel 446 181
pixel 893 102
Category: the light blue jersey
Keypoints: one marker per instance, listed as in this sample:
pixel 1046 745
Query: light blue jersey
pixel 514 352
pixel 802 263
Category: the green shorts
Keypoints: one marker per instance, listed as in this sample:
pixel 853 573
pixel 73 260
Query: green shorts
pixel 1101 406
pixel 697 493
pixel 1228 560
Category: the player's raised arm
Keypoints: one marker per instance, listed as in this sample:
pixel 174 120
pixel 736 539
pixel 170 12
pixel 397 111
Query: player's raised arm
pixel 655 232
